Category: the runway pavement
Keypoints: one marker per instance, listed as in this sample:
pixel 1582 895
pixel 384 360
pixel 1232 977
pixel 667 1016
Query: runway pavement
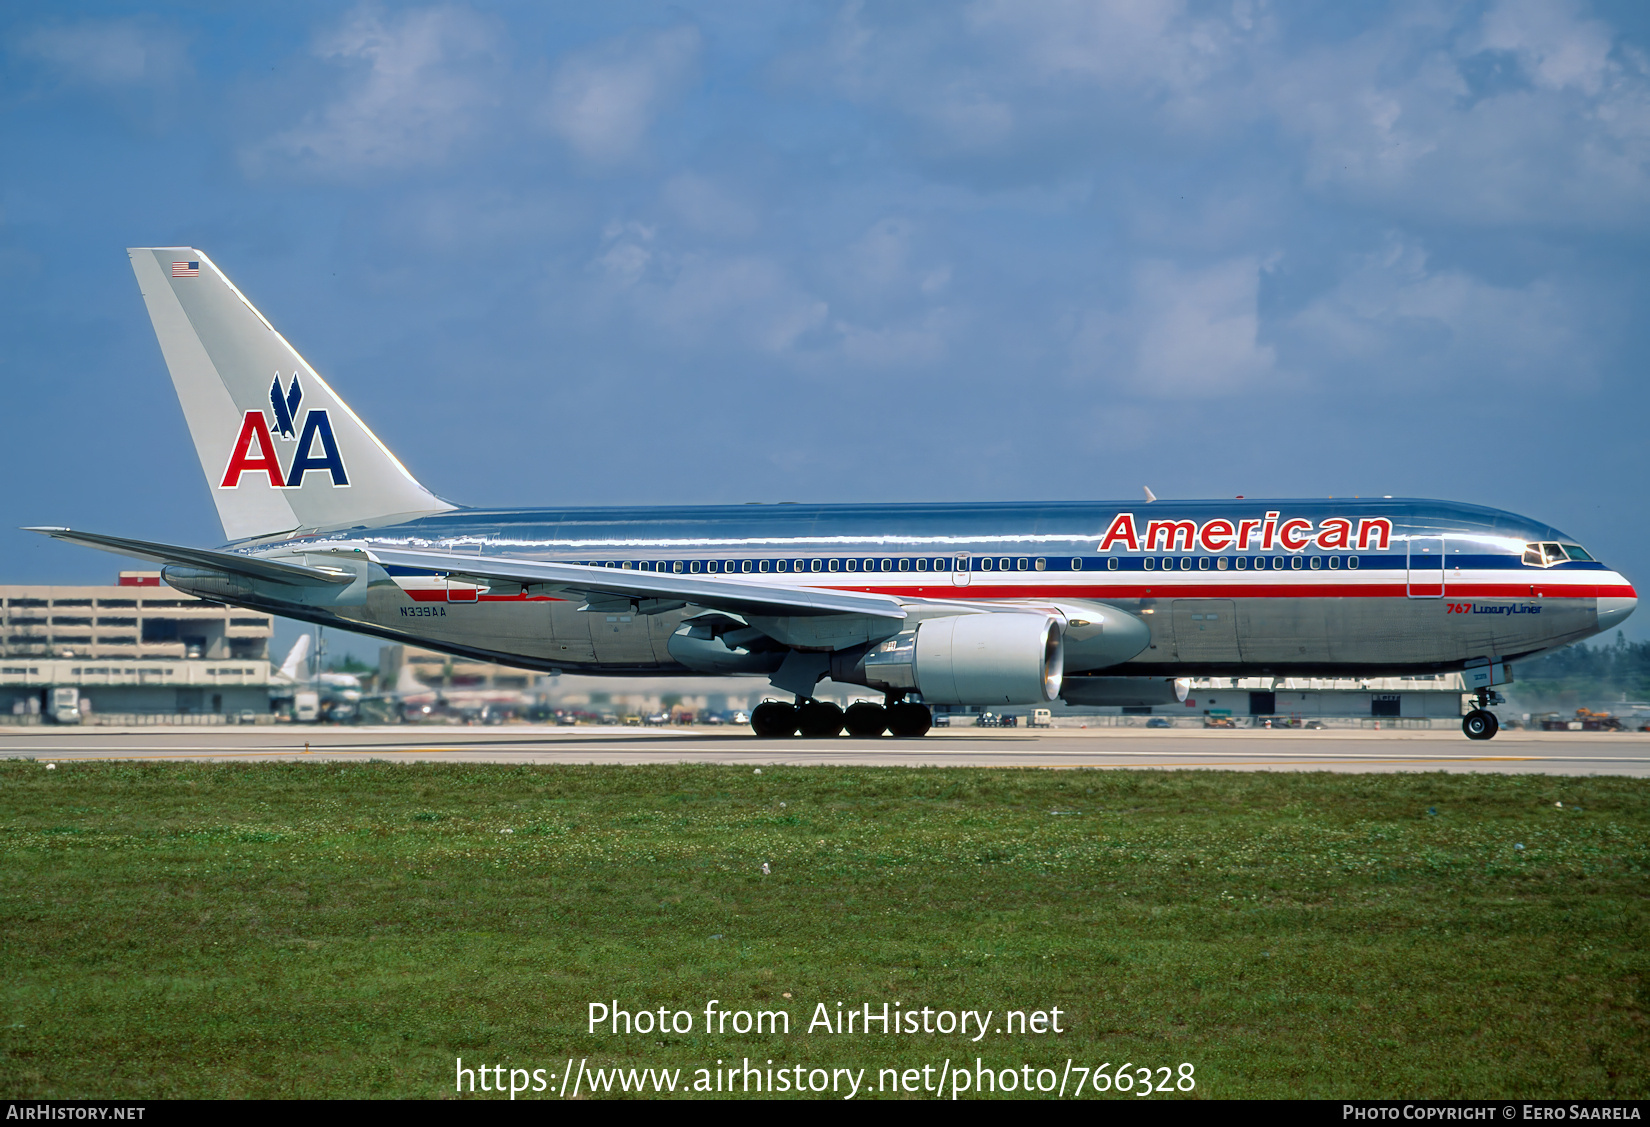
pixel 1512 752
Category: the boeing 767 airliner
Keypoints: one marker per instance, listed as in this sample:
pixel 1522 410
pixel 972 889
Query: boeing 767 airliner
pixel 987 604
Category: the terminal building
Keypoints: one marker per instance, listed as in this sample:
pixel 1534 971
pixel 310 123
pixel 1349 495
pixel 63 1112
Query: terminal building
pixel 137 651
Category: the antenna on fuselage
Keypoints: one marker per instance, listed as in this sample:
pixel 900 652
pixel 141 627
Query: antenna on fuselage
pixel 1150 496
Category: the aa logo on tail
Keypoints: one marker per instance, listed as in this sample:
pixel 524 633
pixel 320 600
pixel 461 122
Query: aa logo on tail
pixel 255 447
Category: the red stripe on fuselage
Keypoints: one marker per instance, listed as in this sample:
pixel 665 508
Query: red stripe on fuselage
pixel 439 595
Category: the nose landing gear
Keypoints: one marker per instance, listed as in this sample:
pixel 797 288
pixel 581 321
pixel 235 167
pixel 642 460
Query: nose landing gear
pixel 1480 723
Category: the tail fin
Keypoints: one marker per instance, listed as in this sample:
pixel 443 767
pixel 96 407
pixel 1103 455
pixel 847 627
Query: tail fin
pixel 293 667
pixel 279 449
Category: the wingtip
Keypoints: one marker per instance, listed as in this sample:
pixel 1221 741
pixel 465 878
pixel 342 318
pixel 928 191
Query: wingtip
pixel 46 529
pixel 1150 496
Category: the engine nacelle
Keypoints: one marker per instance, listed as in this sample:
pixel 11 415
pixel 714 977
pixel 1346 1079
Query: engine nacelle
pixel 1006 658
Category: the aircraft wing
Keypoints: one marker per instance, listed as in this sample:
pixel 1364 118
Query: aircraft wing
pixel 648 591
pixel 254 567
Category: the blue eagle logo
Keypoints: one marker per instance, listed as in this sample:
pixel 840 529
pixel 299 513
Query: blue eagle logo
pixel 286 406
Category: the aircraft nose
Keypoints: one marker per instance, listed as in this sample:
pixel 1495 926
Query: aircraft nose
pixel 1614 609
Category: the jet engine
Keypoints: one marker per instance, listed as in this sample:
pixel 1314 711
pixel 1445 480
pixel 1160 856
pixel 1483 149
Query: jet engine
pixel 1006 658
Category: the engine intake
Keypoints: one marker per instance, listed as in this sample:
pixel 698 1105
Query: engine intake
pixel 1006 658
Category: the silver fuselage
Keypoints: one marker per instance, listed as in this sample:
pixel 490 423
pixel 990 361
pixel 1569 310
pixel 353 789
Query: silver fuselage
pixel 1440 585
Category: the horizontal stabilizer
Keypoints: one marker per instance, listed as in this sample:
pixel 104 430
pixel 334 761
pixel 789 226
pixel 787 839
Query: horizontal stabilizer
pixel 253 567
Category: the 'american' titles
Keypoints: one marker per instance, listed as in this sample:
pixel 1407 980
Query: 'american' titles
pixel 1250 534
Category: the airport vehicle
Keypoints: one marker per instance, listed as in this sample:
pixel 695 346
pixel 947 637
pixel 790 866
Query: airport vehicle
pixel 983 604
pixel 65 705
pixel 306 706
pixel 1040 718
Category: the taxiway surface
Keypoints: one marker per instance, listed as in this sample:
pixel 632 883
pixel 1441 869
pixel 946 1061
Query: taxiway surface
pixel 1512 752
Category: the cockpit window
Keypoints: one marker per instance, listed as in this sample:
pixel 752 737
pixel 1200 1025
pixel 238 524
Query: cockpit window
pixel 1548 553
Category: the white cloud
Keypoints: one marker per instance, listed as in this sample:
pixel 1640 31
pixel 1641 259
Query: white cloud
pixel 119 52
pixel 701 299
pixel 1397 321
pixel 901 346
pixel 602 102
pixel 1556 45
pixel 423 79
pixel 709 207
pixel 1153 43
pixel 1186 331
pixel 1525 116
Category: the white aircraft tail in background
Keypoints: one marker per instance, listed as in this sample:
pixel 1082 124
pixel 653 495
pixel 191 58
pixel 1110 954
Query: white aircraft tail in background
pixel 293 667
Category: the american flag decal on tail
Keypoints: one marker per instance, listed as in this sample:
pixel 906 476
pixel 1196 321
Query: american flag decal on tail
pixel 186 269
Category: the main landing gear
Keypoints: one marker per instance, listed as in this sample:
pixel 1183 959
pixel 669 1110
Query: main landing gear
pixel 1480 723
pixel 817 719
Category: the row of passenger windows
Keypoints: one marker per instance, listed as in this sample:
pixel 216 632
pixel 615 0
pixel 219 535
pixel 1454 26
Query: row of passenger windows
pixel 981 563
pixel 1243 563
pixel 695 567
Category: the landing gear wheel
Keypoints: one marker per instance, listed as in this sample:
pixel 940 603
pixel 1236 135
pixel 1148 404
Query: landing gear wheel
pixel 865 719
pixel 908 719
pixel 774 719
pixel 818 720
pixel 1480 724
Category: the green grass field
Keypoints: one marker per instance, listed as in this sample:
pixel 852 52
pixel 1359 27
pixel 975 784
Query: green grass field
pixel 349 930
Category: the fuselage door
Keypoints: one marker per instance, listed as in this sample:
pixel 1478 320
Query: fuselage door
pixel 959 569
pixel 1426 568
pixel 461 592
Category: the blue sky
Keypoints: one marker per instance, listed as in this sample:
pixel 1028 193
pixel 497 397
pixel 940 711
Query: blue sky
pixel 685 253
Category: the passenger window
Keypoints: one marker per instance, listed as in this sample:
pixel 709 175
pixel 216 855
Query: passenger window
pixel 853 565
pixel 1185 563
pixel 1149 563
pixel 1020 564
pixel 676 567
pixel 886 565
pixel 1277 563
pixel 1203 563
pixel 1220 564
pixel 813 565
pixel 1317 563
pixel 1077 563
pixel 626 565
pixel 1334 562
pixel 693 566
pixel 1352 561
pixel 922 565
pixel 905 565
pixel 1002 565
pixel 1295 562
pixel 782 565
pixel 1111 564
pixel 1041 565
pixel 985 565
pixel 833 565
pixel 745 566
